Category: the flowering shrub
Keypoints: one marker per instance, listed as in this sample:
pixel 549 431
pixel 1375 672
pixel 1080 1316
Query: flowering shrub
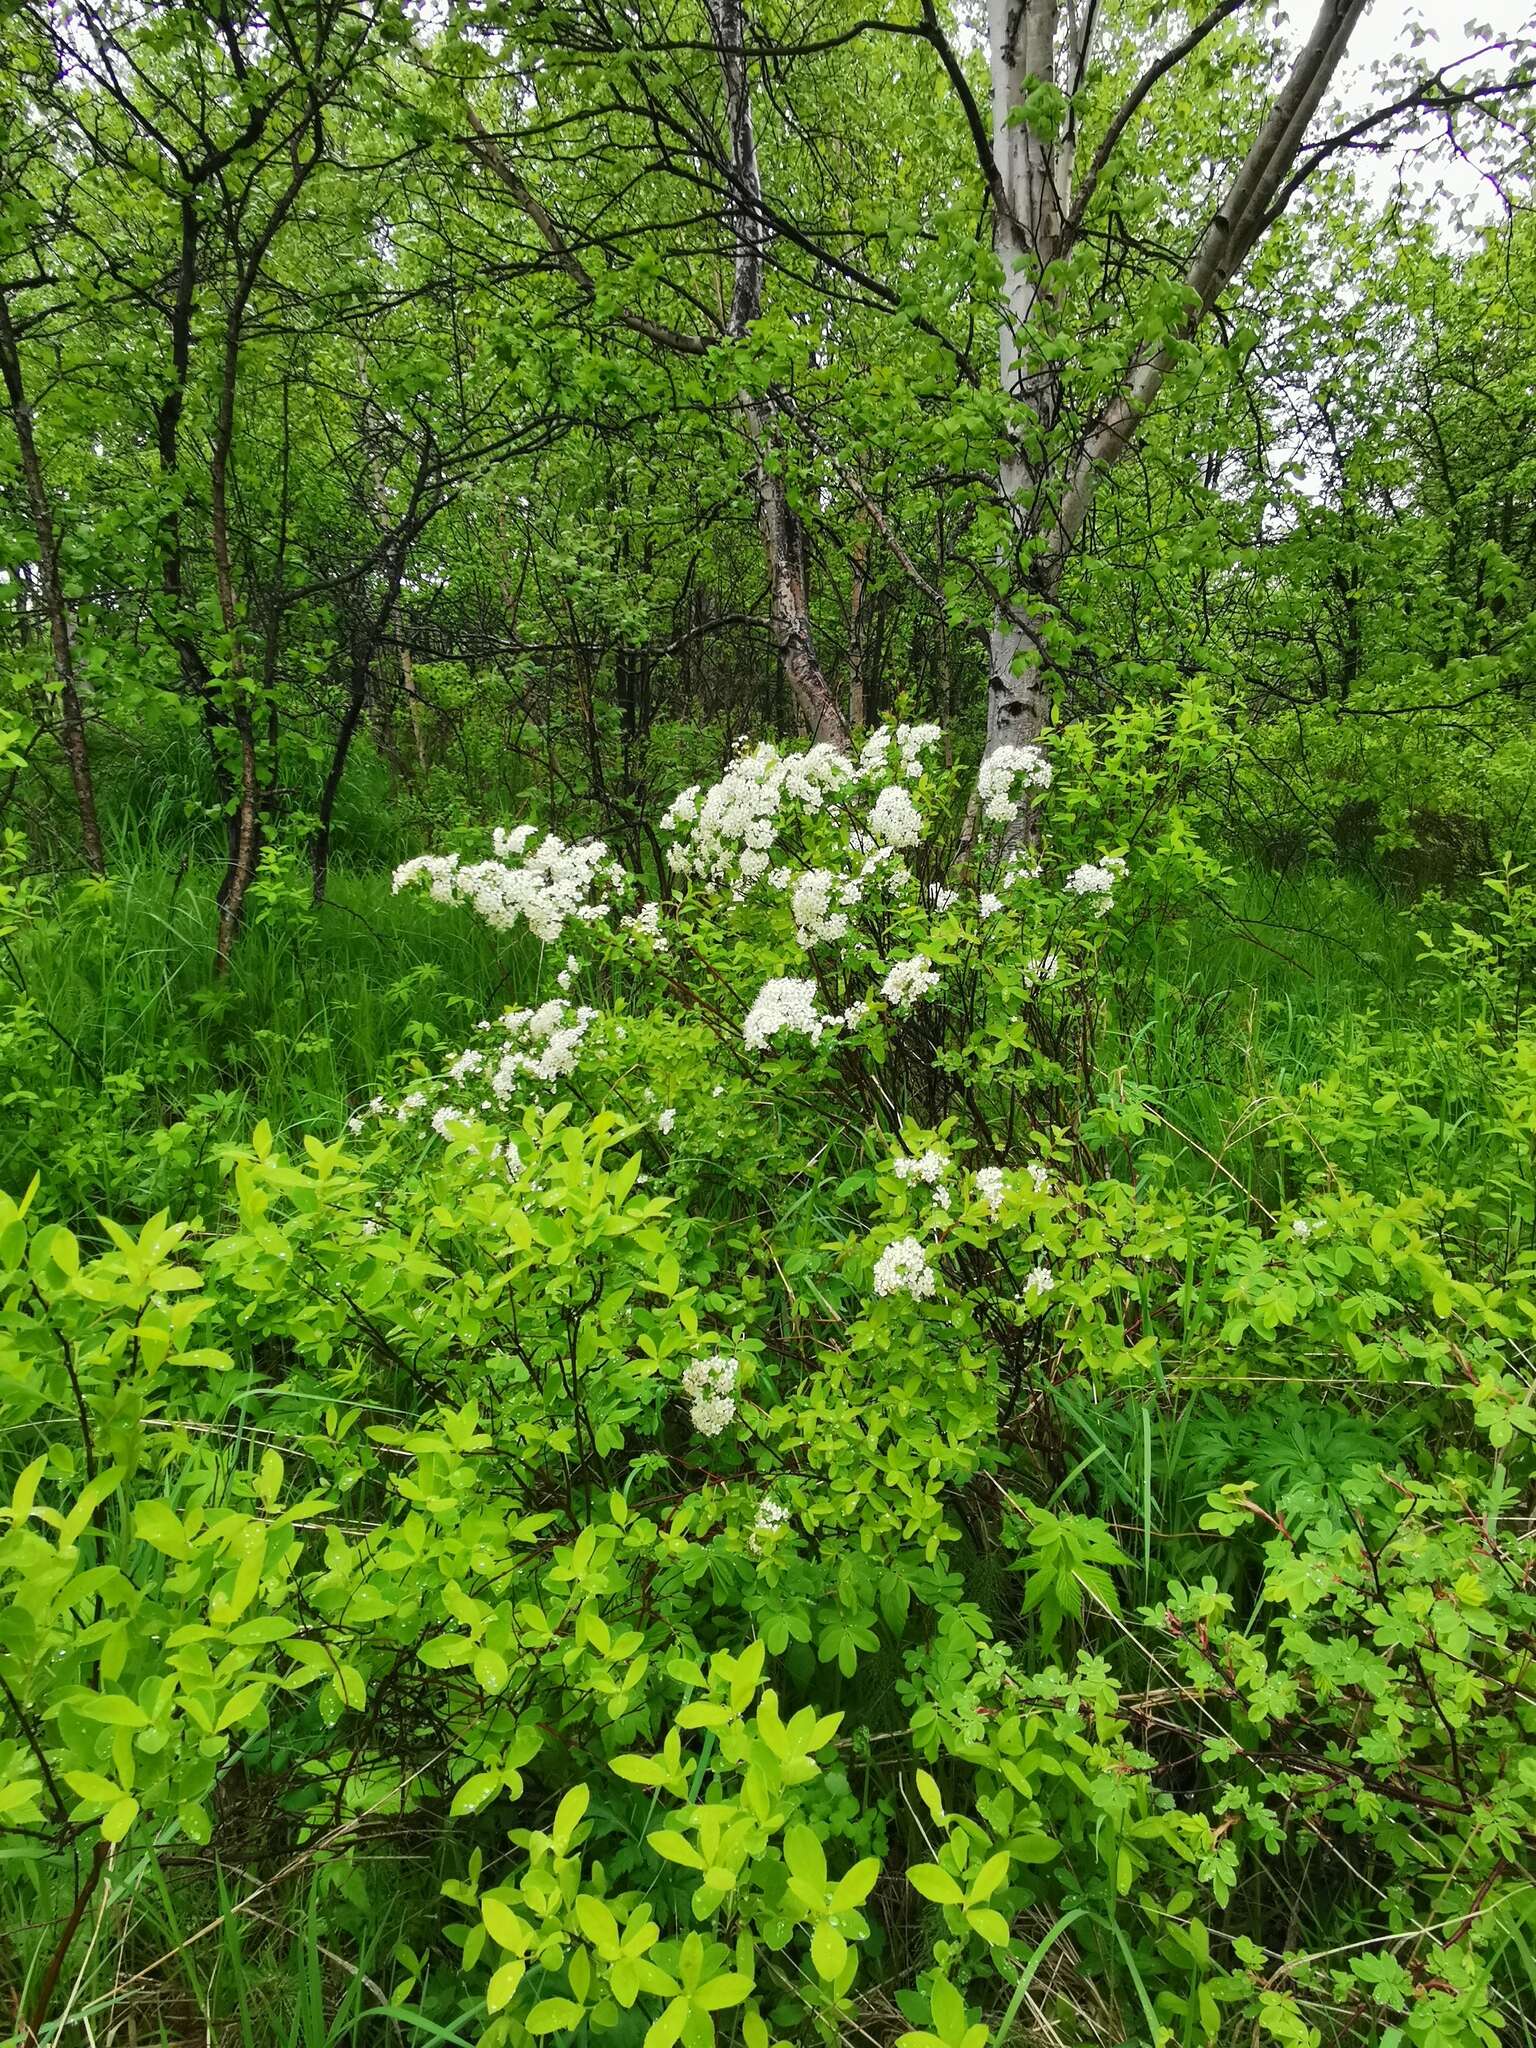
pixel 669 1418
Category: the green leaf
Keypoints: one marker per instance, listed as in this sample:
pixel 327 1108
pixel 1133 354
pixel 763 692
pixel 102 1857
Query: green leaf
pixel 829 1951
pixel 503 1984
pixel 936 1884
pixel 990 1925
pixel 118 1819
pixel 554 2015
pixel 715 1994
pixel 504 1926
pixel 568 1815
pixel 474 1793
pixel 675 1848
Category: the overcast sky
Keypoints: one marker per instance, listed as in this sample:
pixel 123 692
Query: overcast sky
pixel 1387 38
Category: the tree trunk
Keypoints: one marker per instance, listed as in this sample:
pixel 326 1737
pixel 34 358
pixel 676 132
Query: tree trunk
pixel 789 616
pixel 413 706
pixel 320 844
pixel 72 714
pixel 858 561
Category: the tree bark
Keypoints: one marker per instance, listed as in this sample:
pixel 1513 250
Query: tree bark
pixel 71 711
pixel 245 823
pixel 789 615
pixel 368 634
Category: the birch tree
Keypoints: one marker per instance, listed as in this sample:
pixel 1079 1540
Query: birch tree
pixel 1038 52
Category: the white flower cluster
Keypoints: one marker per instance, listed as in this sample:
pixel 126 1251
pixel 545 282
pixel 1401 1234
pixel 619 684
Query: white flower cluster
pixel 710 1384
pixel 909 981
pixel 1000 771
pixel 903 1268
pixel 734 825
pixel 992 1187
pixel 812 900
pixel 646 924
pixel 727 834
pixel 1098 878
pixel 549 888
pixel 911 742
pixel 785 1005
pixel 896 820
pixel 929 1167
pixel 542 1044
pixel 770 1519
pixel 1038 1282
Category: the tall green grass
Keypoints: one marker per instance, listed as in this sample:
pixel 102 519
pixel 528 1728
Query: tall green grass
pixel 114 1022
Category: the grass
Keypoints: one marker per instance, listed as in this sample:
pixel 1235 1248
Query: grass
pixel 114 1011
pixel 1236 1008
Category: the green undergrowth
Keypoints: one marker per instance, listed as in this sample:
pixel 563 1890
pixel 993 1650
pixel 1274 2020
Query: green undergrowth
pixel 979 1497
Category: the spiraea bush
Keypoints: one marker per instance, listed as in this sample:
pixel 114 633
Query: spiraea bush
pixel 775 1498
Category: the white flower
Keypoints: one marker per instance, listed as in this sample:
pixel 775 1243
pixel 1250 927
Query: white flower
pixel 811 906
pixel 1040 1180
pixel 646 924
pixel 1046 968
pixel 911 743
pixel 510 1158
pixel 1301 1228
pixel 1097 878
pixel 784 1005
pixel 441 871
pixel 930 1166
pixel 992 1186
pixel 903 1268
pixel 710 1385
pixel 1021 867
pixel 997 775
pixel 551 885
pixel 896 820
pixel 665 1122
pixel 770 1519
pixel 732 827
pixel 370 1226
pixel 987 904
pixel 510 845
pixel 1090 880
pixel 542 1044
pixel 1038 1282
pixel 446 1121
pixel 909 981
pixel 409 1105
pixel 355 1123
pixel 682 810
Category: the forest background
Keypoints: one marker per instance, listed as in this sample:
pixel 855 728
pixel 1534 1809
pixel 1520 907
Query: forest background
pixel 869 1378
